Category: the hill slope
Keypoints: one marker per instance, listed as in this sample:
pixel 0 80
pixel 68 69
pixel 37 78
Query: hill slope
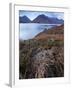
pixel 54 33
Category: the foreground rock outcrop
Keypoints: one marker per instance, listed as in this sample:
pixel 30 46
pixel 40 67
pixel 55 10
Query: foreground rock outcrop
pixel 49 63
pixel 46 63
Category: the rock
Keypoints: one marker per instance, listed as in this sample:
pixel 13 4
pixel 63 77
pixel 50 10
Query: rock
pixel 48 63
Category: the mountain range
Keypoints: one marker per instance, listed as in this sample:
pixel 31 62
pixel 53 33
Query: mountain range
pixel 41 19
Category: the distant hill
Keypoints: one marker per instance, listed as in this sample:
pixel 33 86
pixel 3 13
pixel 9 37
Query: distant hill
pixel 45 19
pixel 55 33
pixel 41 19
pixel 24 19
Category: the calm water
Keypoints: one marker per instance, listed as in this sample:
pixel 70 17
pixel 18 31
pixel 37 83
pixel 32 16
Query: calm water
pixel 30 30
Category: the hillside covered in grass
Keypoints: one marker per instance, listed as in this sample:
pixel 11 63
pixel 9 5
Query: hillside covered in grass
pixel 55 33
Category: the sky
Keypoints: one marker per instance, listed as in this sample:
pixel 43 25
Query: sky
pixel 33 14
